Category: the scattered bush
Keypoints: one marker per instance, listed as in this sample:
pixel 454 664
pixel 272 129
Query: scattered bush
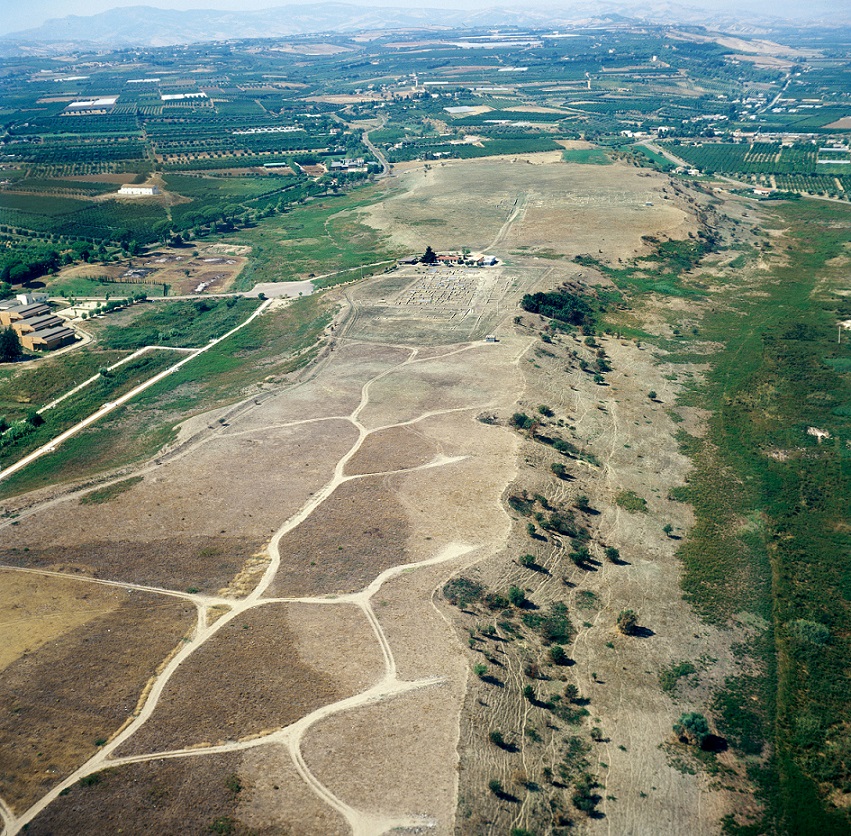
pixel 669 677
pixel 627 622
pixel 692 727
pixel 461 592
pixel 631 501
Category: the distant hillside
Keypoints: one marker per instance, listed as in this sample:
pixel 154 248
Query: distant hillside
pixel 147 26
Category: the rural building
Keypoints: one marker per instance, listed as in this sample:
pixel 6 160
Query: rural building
pixel 36 325
pixel 348 165
pixel 29 298
pixel 48 339
pixel 91 107
pixel 17 312
pixel 139 190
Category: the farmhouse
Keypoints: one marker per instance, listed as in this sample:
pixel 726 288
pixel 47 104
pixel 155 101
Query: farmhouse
pixel 91 107
pixel 148 191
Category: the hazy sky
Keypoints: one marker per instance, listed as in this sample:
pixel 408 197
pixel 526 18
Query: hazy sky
pixel 30 13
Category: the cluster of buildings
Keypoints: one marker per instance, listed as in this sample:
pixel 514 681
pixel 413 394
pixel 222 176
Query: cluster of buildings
pixel 38 328
pixel 456 259
pixel 349 164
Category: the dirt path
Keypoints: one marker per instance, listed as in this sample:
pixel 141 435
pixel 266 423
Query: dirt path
pixel 517 213
pixel 388 687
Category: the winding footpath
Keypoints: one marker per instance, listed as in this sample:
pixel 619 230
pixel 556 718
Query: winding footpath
pixel 388 687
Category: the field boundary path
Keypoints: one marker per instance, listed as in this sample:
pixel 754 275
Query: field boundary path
pixel 388 686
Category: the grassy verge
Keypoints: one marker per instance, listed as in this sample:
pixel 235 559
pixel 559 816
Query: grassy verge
pixel 586 156
pixel 30 386
pixel 771 542
pixel 178 324
pixel 271 347
pixel 73 409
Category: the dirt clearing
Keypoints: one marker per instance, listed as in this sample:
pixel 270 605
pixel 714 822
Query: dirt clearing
pixel 59 703
pixel 253 677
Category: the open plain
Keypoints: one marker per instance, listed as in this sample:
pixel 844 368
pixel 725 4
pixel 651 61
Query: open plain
pixel 283 572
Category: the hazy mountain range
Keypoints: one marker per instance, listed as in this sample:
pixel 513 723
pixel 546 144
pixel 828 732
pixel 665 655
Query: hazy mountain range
pixel 148 26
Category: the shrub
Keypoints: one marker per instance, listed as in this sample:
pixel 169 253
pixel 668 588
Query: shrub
pixel 555 626
pixel 10 345
pixel 584 798
pixel 480 670
pixel 560 305
pixel 669 677
pixel 631 501
pixel 494 601
pixel 809 632
pixel 692 727
pixel 528 561
pixel 580 556
pixel 560 470
pixel 90 780
pixel 627 622
pixel 461 592
pixel 517 596
pixel 522 421
pixel 558 655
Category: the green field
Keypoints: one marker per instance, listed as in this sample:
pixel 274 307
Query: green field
pixel 771 537
pixel 271 346
pixel 587 156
